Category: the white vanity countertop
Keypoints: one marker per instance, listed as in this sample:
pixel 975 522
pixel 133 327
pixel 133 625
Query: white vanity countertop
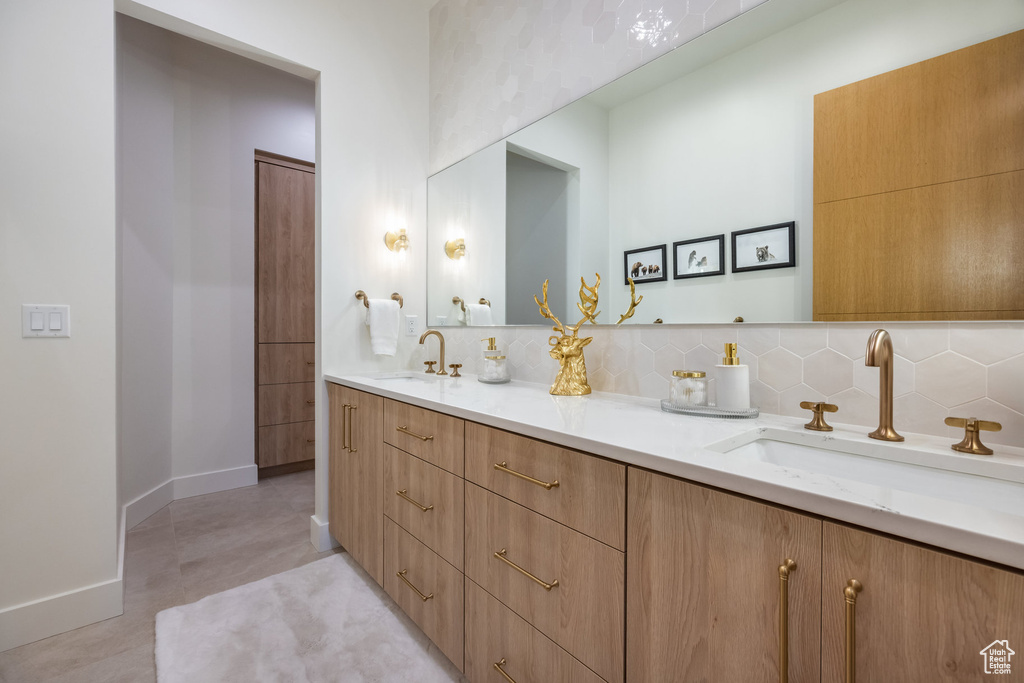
pixel 635 431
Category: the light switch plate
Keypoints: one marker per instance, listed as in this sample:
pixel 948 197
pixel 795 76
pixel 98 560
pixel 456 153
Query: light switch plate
pixel 38 320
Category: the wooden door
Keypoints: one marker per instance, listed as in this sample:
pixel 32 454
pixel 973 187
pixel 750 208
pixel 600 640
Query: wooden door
pixel 356 515
pixel 922 616
pixel 285 258
pixel 703 585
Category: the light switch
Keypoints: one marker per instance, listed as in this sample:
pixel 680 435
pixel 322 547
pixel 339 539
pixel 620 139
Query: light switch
pixel 38 320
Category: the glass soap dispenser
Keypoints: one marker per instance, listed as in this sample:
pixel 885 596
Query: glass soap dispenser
pixel 495 368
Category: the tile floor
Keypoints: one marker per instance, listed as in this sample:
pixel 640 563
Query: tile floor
pixel 190 549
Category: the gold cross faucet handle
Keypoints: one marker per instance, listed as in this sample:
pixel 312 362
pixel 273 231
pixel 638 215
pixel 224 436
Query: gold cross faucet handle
pixel 430 366
pixel 455 369
pixel 972 434
pixel 818 423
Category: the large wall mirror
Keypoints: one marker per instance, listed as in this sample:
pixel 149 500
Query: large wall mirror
pixel 714 138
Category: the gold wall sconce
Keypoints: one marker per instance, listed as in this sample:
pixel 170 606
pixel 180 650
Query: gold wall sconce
pixel 396 242
pixel 455 249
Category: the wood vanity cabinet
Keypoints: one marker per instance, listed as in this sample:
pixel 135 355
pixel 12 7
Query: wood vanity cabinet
pixel 703 585
pixel 922 616
pixel 356 453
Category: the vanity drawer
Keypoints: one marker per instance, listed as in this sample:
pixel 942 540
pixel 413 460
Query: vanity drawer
pixel 591 492
pixel 584 612
pixel 282 444
pixel 281 403
pixel 424 485
pixel 281 363
pixel 436 438
pixel 440 616
pixel 495 633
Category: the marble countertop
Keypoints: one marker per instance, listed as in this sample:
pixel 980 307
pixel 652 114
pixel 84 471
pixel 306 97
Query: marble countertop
pixel 635 431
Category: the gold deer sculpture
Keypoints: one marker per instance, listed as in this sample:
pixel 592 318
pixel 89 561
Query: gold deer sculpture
pixel 568 349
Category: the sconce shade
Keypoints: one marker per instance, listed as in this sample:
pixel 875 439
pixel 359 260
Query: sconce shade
pixel 396 242
pixel 455 249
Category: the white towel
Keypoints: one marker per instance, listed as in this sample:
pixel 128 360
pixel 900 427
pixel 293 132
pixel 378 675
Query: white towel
pixel 478 315
pixel 382 319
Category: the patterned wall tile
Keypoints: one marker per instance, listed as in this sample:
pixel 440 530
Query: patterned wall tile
pixel 813 363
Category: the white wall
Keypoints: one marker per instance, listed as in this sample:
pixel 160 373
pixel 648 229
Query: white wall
pixel 467 201
pixel 58 527
pixel 189 117
pixel 58 498
pixel 730 146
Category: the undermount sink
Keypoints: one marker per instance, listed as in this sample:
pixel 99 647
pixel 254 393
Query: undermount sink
pixel 992 482
pixel 409 375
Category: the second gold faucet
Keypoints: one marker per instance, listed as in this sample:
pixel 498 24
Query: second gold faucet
pixel 440 338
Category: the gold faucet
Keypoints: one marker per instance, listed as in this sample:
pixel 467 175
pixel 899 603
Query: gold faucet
pixel 440 337
pixel 879 355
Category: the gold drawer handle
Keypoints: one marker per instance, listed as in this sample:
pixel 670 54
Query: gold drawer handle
pixel 405 430
pixel 310 440
pixel 853 586
pixel 404 495
pixel 498 665
pixel 401 575
pixel 503 467
pixel 310 362
pixel 784 570
pixel 311 402
pixel 501 556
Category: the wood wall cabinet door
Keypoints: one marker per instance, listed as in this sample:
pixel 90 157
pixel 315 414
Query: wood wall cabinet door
pixel 285 254
pixel 703 586
pixel 922 616
pixel 282 403
pixel 286 443
pixel 281 363
pixel 356 515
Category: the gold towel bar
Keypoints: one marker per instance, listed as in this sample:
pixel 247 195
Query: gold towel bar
pixel 395 296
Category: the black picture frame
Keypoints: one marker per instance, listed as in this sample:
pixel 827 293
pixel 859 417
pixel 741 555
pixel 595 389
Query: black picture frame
pixel 687 265
pixel 747 254
pixel 641 259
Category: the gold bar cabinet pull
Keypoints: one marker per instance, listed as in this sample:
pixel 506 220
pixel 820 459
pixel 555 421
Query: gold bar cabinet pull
pixel 853 586
pixel 503 467
pixel 784 570
pixel 351 431
pixel 344 428
pixel 501 556
pixel 404 494
pixel 497 667
pixel 423 597
pixel 405 430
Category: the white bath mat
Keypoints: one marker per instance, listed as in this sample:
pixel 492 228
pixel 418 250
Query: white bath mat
pixel 326 621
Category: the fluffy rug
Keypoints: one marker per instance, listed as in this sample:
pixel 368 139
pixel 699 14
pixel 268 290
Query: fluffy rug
pixel 325 621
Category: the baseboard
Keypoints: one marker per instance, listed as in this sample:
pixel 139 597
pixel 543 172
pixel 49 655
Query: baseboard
pixel 55 614
pixel 32 621
pixel 212 482
pixel 320 536
pixel 147 504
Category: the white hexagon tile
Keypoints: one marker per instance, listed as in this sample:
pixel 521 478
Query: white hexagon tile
pixel 499 65
pixel 966 369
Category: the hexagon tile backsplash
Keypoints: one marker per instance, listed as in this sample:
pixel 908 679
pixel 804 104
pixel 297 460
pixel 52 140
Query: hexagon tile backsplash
pixel 941 369
pixel 498 65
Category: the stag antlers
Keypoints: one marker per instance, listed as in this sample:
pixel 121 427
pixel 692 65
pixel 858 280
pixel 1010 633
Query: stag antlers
pixel 587 306
pixel 633 302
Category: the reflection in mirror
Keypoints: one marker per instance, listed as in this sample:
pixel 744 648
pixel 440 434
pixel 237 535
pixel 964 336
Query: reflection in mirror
pixel 713 138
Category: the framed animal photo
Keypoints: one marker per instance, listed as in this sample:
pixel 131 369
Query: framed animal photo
pixel 646 265
pixel 698 258
pixel 770 246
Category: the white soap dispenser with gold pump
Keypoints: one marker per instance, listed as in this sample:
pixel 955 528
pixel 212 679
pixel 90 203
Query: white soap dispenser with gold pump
pixel 495 367
pixel 733 381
